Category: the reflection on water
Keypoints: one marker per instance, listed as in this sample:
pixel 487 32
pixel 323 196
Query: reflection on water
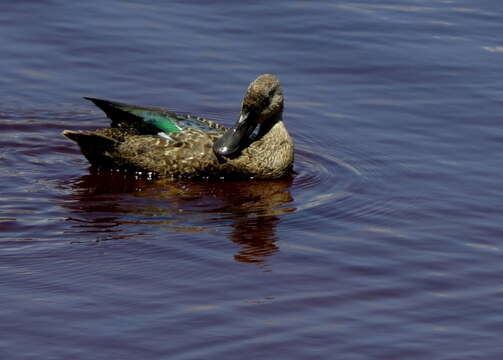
pixel 255 211
pixel 115 204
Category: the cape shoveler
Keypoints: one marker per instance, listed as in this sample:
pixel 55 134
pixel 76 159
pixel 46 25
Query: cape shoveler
pixel 184 146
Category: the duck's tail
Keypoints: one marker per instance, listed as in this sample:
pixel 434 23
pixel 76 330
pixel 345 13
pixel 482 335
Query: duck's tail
pixel 98 149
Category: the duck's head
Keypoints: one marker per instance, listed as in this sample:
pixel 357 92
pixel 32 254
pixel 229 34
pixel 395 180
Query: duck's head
pixel 261 108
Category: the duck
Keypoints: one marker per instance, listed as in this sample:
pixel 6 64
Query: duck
pixel 173 145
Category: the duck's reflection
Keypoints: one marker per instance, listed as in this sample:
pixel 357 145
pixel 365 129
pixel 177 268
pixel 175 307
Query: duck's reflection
pixel 248 211
pixel 255 208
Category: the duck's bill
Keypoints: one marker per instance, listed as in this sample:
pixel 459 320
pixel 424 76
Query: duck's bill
pixel 236 138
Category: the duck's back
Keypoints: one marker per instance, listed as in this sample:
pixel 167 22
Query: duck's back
pixel 151 139
pixel 188 153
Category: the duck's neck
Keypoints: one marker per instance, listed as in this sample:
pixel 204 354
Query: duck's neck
pixel 263 129
pixel 268 157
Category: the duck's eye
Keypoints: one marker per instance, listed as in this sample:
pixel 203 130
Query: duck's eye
pixel 247 109
pixel 261 104
pixel 250 109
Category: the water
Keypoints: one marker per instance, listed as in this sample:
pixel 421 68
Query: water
pixel 384 243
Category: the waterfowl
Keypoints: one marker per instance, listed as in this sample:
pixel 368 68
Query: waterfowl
pixel 183 146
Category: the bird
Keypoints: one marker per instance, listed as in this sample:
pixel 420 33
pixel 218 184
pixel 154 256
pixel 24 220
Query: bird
pixel 181 146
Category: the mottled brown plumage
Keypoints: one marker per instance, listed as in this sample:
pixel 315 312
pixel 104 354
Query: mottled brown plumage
pixel 258 146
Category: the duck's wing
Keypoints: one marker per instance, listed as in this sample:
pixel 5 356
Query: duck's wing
pixel 140 120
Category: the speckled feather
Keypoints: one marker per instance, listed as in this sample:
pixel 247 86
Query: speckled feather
pixel 133 142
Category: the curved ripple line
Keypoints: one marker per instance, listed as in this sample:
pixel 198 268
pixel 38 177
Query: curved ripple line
pixel 350 184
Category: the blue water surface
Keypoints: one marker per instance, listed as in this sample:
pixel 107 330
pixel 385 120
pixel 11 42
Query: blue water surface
pixel 383 244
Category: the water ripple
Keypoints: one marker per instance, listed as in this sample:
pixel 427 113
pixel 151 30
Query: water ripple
pixel 336 183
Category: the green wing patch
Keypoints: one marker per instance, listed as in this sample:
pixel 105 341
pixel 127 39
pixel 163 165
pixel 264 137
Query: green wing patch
pixel 162 120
